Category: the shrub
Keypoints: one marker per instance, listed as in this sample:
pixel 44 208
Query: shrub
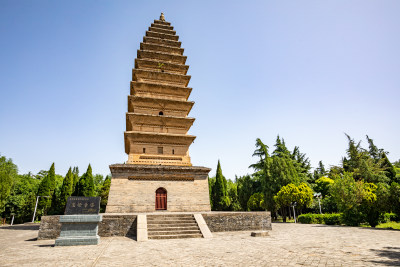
pixel 305 218
pixel 256 202
pixel 329 219
pixel 389 217
pixel 332 219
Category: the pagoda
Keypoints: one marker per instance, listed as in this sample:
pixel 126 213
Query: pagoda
pixel 157 121
pixel 158 174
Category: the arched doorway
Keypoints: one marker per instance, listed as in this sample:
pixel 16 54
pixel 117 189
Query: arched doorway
pixel 161 199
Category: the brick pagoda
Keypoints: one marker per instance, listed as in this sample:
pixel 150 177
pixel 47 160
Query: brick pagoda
pixel 158 174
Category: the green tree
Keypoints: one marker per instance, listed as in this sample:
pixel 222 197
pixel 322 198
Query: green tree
pixel 256 202
pixel 98 181
pixel 375 202
pixel 21 201
pixel 280 149
pixel 305 196
pixel 105 190
pixel 388 168
pixel 45 191
pixel 85 186
pixel 233 196
pixel 395 198
pixel 75 174
pixel 8 174
pixel 221 200
pixel 211 190
pixel 319 171
pixel 322 185
pixel 52 179
pixel 302 164
pixel 246 187
pixel 348 195
pixel 66 190
pixel 286 195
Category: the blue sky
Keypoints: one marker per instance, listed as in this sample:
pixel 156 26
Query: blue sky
pixel 309 71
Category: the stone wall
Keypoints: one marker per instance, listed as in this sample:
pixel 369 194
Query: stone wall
pixel 50 227
pixel 126 224
pixel 112 225
pixel 237 221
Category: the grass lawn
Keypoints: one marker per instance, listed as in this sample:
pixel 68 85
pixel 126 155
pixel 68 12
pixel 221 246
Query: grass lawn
pixel 393 225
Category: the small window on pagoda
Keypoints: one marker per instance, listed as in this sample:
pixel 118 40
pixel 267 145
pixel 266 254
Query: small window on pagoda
pixel 173 151
pixel 144 150
pixel 160 113
pixel 160 150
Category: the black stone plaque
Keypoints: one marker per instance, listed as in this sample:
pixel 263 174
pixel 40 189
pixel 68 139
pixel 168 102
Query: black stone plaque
pixel 82 205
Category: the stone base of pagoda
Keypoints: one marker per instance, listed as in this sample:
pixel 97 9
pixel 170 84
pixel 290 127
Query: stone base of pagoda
pixel 133 188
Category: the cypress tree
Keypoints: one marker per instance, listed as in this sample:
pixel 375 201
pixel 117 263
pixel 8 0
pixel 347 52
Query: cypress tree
pixel 85 186
pixel 66 190
pixel 388 167
pixel 46 188
pixel 52 179
pixel 75 174
pixel 221 201
pixel 105 190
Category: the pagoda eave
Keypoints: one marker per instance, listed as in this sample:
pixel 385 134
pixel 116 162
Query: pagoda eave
pixel 149 64
pixel 166 91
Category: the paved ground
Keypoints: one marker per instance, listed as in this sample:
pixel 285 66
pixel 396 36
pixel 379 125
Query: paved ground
pixel 288 244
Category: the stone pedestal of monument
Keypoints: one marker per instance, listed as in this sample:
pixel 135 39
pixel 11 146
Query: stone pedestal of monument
pixel 79 225
pixel 79 230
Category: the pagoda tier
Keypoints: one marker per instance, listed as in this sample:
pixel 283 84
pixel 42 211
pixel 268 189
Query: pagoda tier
pixel 157 124
pixel 158 106
pixel 153 106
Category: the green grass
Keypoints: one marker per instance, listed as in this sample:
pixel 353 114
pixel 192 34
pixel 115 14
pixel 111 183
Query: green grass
pixel 393 225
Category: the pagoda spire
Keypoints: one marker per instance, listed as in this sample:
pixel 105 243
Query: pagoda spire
pixel 162 18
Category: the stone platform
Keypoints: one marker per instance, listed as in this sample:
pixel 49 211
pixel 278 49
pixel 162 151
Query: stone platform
pixel 78 230
pixel 133 188
pixel 126 224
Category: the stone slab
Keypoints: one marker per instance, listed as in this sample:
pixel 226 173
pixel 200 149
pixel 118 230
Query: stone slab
pixel 82 205
pixel 80 218
pixel 205 231
pixel 77 241
pixel 259 234
pixel 142 234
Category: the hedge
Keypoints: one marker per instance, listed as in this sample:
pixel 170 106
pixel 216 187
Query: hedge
pixel 329 219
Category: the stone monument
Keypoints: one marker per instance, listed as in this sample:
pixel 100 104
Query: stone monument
pixel 79 225
pixel 159 175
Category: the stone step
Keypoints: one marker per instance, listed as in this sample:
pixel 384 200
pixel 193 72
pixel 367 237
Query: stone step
pixel 162 35
pixel 180 224
pixel 170 218
pixel 180 232
pixel 162 26
pixel 147 64
pixel 162 48
pixel 155 28
pixel 172 228
pixel 162 77
pixel 161 57
pixel 153 40
pixel 176 236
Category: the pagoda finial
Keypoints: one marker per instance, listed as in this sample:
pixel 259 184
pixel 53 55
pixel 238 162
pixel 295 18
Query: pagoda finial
pixel 162 18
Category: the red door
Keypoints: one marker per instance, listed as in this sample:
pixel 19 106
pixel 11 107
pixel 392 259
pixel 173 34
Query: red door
pixel 161 199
